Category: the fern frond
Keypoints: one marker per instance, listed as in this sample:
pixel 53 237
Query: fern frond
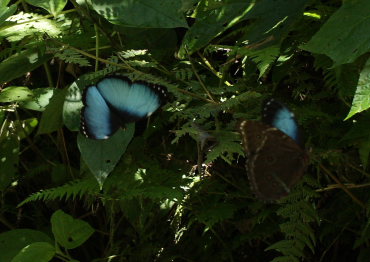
pixel 299 234
pixel 140 63
pixel 74 189
pixel 264 58
pixel 184 74
pixel 132 53
pixel 37 27
pixel 228 145
pixel 71 56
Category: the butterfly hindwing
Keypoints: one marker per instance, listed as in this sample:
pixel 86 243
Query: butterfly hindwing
pixel 114 101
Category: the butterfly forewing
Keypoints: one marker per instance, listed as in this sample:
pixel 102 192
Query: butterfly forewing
pixel 276 114
pixel 252 135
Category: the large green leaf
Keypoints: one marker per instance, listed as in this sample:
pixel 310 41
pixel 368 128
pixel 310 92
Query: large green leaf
pixel 212 18
pixel 38 251
pixel 13 241
pixel 52 6
pixel 142 13
pixel 15 94
pixel 361 100
pixel 39 100
pixel 69 232
pixel 272 19
pixel 346 35
pixel 269 19
pixel 73 104
pixel 101 156
pixel 35 99
pixel 30 25
pixel 21 63
pixel 5 11
pixel 51 119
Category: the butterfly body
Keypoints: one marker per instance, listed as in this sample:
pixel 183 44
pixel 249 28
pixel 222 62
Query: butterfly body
pixel 275 161
pixel 113 102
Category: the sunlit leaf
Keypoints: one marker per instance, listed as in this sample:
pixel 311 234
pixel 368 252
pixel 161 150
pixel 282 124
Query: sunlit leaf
pixel 28 24
pixel 15 94
pixel 6 11
pixel 40 99
pixel 346 35
pixel 361 100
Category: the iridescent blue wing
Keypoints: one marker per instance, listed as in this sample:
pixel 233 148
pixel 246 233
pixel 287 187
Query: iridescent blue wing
pixel 131 100
pixel 114 101
pixel 98 121
pixel 276 114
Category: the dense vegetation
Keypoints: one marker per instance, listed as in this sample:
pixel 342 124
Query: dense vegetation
pixel 174 187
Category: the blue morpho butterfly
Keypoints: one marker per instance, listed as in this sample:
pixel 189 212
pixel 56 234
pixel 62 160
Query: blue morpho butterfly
pixel 114 101
pixel 276 159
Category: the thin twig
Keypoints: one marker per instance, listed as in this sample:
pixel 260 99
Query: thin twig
pixel 343 187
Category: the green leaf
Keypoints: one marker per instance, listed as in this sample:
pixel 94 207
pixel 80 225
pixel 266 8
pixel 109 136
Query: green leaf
pixel 25 127
pixel 361 100
pixel 346 35
pixel 39 100
pixel 38 251
pixel 69 232
pixel 21 63
pixel 72 106
pixel 5 11
pixel 51 119
pixel 31 26
pixel 142 13
pixel 11 242
pixel 54 7
pixel 270 20
pixel 101 156
pixel 212 18
pixel 15 94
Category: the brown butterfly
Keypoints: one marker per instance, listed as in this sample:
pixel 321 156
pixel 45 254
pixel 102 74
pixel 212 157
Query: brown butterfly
pixel 275 161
